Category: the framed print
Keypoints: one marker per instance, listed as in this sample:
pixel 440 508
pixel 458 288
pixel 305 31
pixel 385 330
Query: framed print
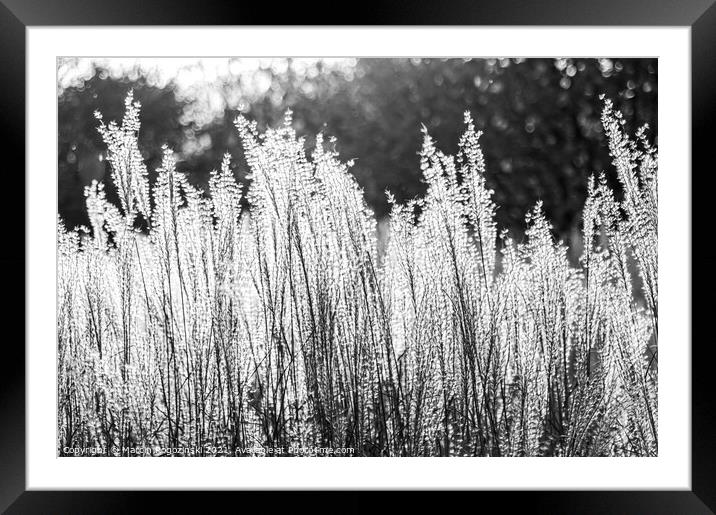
pixel 419 252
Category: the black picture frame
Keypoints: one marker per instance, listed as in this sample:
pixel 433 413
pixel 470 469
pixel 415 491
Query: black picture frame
pixel 17 15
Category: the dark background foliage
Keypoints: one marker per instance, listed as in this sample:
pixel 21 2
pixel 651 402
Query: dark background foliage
pixel 542 134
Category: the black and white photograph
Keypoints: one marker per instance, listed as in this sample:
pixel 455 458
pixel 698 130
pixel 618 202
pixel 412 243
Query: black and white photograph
pixel 357 257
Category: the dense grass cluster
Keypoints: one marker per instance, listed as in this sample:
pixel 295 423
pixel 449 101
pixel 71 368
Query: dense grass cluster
pixel 292 324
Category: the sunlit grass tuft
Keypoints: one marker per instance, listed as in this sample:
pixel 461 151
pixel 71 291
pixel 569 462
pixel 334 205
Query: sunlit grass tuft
pixel 287 325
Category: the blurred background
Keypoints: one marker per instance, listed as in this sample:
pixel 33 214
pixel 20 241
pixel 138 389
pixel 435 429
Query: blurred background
pixel 540 117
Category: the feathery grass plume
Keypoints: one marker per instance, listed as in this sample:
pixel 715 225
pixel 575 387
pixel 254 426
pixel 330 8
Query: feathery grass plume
pixel 636 163
pixel 129 172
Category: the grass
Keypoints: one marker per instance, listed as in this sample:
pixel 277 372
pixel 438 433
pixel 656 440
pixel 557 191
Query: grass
pixel 287 324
